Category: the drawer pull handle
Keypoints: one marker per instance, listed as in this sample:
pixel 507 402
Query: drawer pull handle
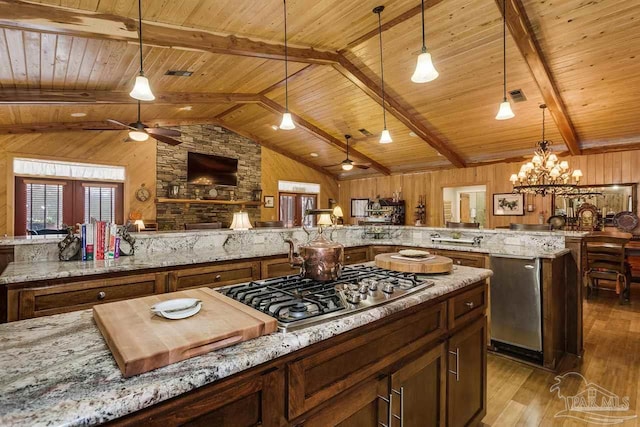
pixel 388 400
pixel 401 416
pixel 102 295
pixel 469 304
pixel 458 262
pixel 457 371
pixel 348 257
pixel 217 278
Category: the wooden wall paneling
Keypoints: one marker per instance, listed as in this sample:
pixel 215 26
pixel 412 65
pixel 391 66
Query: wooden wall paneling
pixel 277 167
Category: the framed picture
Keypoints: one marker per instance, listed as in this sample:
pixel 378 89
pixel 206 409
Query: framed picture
pixel 269 201
pixel 359 208
pixel 508 204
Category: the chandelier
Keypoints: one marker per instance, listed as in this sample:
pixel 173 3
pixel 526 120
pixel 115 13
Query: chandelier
pixel 545 174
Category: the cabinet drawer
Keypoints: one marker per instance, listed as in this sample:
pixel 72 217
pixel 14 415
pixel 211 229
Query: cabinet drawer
pixel 214 276
pixel 277 267
pixel 467 305
pixel 81 295
pixel 328 372
pixel 355 255
pixel 375 250
pixel 466 259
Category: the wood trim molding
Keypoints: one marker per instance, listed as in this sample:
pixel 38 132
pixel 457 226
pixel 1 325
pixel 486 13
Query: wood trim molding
pixel 524 36
pixel 273 147
pixel 276 108
pixel 23 15
pixel 47 96
pixel 397 108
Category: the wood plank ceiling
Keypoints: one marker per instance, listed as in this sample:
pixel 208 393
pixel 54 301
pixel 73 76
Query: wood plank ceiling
pixel 581 58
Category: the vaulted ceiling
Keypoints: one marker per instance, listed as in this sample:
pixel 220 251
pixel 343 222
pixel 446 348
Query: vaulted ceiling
pixel 581 58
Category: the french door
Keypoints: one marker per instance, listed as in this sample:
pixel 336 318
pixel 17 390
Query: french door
pixel 294 205
pixel 46 204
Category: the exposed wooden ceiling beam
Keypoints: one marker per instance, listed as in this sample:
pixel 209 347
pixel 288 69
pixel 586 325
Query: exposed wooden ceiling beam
pixel 15 129
pixel 397 108
pixel 522 33
pixel 293 76
pixel 229 111
pixel 275 148
pixel 392 23
pixel 23 15
pixel 46 96
pixel 276 108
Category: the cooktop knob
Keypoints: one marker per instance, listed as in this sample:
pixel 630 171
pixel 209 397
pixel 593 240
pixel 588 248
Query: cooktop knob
pixel 353 297
pixel 373 286
pixel 388 288
pixel 364 289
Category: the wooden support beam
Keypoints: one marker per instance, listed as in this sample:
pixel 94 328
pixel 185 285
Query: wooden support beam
pixel 16 129
pixel 392 23
pixel 229 111
pixel 23 15
pixel 396 108
pixel 522 33
pixel 46 96
pixel 276 108
pixel 274 147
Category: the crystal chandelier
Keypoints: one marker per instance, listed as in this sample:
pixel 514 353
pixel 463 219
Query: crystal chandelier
pixel 545 174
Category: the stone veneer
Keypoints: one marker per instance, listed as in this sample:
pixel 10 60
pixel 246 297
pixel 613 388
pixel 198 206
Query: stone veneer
pixel 172 169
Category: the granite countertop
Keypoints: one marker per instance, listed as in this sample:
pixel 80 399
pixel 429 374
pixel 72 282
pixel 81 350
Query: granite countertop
pixel 57 370
pixel 17 272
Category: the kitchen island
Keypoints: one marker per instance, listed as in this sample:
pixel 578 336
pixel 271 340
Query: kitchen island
pixel 59 371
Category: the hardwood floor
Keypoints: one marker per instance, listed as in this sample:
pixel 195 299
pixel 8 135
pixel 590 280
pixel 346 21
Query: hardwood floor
pixel 519 395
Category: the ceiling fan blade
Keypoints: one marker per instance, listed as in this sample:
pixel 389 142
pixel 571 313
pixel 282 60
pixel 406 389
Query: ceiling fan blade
pixel 165 139
pixel 163 131
pixel 361 166
pixel 115 122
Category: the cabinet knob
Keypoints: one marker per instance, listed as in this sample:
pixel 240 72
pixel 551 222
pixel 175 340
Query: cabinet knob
pixel 348 257
pixel 458 262
pixel 217 278
pixel 102 295
pixel 469 304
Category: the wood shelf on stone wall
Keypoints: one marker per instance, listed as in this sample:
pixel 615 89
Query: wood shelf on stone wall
pixel 187 202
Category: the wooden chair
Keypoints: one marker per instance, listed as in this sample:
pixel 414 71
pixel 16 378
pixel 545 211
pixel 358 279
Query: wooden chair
pixel 269 224
pixel 463 224
pixel 605 260
pixel 203 226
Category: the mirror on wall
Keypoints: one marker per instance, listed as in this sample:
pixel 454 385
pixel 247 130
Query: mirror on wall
pixel 608 200
pixel 465 204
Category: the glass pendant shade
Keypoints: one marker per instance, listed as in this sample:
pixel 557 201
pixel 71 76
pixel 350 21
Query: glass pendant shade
pixel 577 174
pixel 241 221
pixel 425 71
pixel 513 179
pixel 141 90
pixel 385 137
pixel 337 212
pixel 325 219
pixel 347 166
pixel 139 136
pixel 505 112
pixel 287 122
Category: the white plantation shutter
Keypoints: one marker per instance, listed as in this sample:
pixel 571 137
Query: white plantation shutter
pixel 99 203
pixel 44 206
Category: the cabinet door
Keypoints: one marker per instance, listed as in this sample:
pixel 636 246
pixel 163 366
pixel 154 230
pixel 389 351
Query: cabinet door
pixel 467 377
pixel 360 406
pixel 277 267
pixel 418 391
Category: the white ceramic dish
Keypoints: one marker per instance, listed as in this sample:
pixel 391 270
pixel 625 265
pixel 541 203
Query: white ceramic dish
pixel 413 253
pixel 179 308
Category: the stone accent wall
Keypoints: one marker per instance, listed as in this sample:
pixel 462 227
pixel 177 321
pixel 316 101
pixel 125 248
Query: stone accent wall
pixel 171 166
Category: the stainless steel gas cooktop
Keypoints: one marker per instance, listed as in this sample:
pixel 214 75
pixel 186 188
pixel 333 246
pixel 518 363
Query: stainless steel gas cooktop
pixel 296 302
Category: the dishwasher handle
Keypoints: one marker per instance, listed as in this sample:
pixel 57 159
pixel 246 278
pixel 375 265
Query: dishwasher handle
pixel 530 267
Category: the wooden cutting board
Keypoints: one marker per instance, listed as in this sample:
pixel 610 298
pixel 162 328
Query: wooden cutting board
pixel 439 264
pixel 141 341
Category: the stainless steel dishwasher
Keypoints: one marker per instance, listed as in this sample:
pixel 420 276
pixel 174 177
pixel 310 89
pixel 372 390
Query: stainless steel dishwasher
pixel 516 305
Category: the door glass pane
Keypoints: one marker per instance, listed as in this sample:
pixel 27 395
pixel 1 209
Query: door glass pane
pixel 44 206
pixel 287 210
pixel 99 204
pixel 308 202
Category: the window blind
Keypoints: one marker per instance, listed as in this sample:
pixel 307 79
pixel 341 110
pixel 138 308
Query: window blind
pixel 99 203
pixel 44 206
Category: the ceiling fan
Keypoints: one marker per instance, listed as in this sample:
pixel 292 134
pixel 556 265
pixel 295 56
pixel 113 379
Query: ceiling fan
pixel 348 164
pixel 138 131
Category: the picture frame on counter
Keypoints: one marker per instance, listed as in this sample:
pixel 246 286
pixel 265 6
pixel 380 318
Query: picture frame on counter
pixel 508 204
pixel 269 201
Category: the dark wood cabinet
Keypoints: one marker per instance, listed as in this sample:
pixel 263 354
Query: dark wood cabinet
pixel 383 249
pixel 467 376
pixel 418 390
pixel 6 256
pixel 356 255
pixel 277 267
pixel 214 276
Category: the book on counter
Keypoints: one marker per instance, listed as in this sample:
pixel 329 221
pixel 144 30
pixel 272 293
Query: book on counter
pixel 100 241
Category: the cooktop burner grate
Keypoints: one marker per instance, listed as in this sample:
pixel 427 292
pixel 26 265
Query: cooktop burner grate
pixel 297 302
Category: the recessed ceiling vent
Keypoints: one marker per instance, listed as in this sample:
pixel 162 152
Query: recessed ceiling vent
pixel 365 132
pixel 517 95
pixel 179 73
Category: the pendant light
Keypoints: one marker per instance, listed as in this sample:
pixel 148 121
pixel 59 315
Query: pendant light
pixel 347 164
pixel 504 112
pixel 425 71
pixel 141 89
pixel 287 120
pixel 385 136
